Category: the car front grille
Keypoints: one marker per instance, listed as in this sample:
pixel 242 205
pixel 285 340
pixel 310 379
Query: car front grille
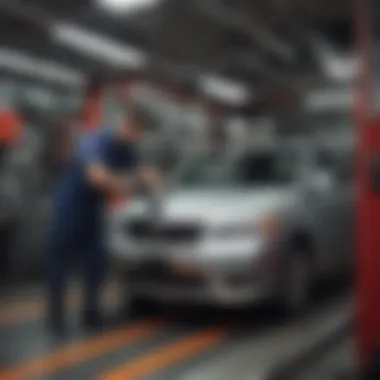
pixel 168 232
pixel 159 273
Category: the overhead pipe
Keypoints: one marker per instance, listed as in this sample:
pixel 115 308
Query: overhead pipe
pixel 249 62
pixel 32 16
pixel 19 62
pixel 254 29
pixel 87 46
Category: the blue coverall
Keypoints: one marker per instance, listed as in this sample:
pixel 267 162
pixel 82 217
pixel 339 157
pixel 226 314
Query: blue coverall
pixel 77 217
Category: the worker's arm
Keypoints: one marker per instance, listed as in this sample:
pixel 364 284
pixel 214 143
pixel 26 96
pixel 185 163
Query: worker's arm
pixel 93 155
pixel 140 180
pixel 102 178
pixel 99 175
pixel 149 176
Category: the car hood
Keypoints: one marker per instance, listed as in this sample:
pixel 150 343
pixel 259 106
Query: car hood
pixel 214 205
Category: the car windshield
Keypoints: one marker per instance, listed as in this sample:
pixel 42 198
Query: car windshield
pixel 250 169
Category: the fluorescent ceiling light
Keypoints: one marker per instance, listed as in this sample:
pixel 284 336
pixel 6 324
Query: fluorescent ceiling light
pixel 98 46
pixel 224 90
pixel 339 67
pixel 7 93
pixel 125 6
pixel 329 100
pixel 21 63
pixel 40 97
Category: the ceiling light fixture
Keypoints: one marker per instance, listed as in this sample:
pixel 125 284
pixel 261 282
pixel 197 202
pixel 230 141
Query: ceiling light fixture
pixel 22 63
pixel 329 100
pixel 125 6
pixel 97 46
pixel 226 90
pixel 340 67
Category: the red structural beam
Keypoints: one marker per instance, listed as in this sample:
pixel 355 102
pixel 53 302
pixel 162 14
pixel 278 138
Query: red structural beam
pixel 368 198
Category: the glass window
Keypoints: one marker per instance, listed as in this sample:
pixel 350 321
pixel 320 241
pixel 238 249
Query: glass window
pixel 337 162
pixel 205 170
pixel 266 168
pixel 250 169
pixel 326 159
pixel 110 106
pixel 7 93
pixel 345 169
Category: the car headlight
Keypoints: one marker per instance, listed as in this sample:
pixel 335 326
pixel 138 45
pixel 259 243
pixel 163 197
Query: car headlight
pixel 266 225
pixel 231 230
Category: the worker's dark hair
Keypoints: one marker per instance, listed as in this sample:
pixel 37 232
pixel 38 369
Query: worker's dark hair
pixel 132 111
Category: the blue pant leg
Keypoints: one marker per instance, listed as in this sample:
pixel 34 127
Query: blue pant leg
pixel 94 267
pixel 61 242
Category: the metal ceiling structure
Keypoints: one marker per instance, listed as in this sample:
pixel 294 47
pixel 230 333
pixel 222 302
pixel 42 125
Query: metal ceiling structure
pixel 260 43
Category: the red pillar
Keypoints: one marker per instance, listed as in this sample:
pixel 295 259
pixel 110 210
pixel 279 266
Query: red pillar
pixel 368 199
pixel 368 260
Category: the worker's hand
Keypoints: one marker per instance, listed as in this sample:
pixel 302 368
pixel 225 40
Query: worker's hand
pixel 121 188
pixel 150 177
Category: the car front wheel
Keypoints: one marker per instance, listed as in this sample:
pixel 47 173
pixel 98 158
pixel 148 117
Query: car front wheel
pixel 297 283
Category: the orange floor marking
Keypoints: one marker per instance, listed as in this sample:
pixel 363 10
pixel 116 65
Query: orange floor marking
pixel 16 312
pixel 13 313
pixel 168 354
pixel 87 349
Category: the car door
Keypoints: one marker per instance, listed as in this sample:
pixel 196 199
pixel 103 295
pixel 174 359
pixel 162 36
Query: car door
pixel 337 213
pixel 325 207
pixel 345 207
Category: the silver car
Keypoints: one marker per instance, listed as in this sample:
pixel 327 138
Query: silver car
pixel 256 224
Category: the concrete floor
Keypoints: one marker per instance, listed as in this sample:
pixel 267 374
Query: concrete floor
pixel 188 344
pixel 339 363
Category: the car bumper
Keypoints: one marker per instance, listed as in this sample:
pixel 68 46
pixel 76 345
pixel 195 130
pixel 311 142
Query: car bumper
pixel 227 282
pixel 210 294
pixel 210 257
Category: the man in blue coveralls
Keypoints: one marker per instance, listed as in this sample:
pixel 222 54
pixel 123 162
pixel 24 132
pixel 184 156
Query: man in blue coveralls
pixel 100 166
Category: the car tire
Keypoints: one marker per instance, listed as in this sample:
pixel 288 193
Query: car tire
pixel 297 284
